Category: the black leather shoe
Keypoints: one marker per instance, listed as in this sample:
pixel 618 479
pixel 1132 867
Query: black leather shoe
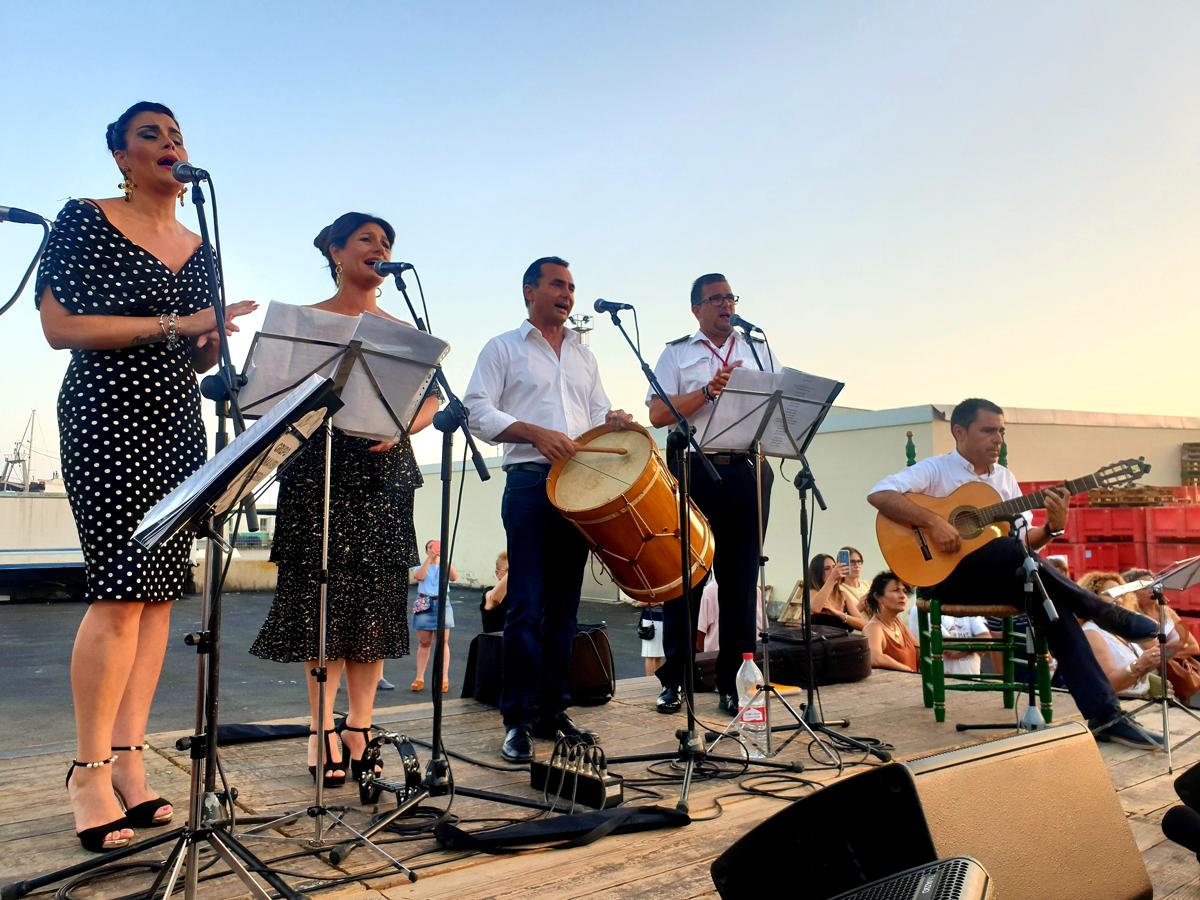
pixel 668 701
pixel 728 703
pixel 517 747
pixel 549 728
pixel 1123 623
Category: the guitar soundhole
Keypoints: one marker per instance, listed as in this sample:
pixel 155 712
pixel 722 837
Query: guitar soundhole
pixel 966 520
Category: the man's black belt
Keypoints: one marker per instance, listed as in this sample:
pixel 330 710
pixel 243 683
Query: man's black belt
pixel 540 468
pixel 728 459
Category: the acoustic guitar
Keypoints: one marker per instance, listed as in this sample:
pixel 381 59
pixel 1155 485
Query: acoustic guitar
pixel 980 516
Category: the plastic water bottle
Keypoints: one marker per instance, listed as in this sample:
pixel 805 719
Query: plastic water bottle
pixel 751 708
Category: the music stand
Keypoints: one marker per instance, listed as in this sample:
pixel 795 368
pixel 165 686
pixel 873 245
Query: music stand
pixel 770 414
pixel 381 370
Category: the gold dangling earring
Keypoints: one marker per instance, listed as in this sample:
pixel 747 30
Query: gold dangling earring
pixel 337 274
pixel 182 194
pixel 127 187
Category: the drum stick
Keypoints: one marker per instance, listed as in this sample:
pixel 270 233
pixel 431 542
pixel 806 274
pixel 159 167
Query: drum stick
pixel 621 450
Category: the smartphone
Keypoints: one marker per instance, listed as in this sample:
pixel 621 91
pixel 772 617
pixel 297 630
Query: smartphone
pixel 843 558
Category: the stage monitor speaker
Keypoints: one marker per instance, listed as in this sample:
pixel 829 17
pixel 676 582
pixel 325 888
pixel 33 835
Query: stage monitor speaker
pixel 1039 812
pixel 959 878
pixel 846 835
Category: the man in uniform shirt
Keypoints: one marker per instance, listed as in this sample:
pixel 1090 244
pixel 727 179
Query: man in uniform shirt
pixel 990 573
pixel 536 389
pixel 693 371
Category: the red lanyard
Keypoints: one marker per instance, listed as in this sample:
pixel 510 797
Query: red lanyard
pixel 713 351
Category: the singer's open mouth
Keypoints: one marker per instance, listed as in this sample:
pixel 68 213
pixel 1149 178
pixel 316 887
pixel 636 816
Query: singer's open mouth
pixel 167 161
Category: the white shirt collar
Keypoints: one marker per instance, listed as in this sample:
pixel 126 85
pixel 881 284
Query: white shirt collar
pixel 527 326
pixel 700 337
pixel 966 464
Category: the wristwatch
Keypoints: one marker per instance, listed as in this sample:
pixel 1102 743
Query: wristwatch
pixel 1054 532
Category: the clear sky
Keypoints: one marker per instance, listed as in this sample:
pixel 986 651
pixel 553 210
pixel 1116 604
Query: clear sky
pixel 923 200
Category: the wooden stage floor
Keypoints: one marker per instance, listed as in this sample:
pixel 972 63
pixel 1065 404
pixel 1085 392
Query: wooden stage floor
pixel 36 829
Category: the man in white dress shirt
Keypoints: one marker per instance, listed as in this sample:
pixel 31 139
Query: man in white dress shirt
pixel 990 573
pixel 535 389
pixel 693 370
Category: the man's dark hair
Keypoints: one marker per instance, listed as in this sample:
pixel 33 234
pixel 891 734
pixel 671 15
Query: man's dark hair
pixel 966 412
pixel 699 283
pixel 1135 575
pixel 115 135
pixel 337 232
pixel 533 274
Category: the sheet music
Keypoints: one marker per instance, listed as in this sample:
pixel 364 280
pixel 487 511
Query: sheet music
pixel 296 341
pixel 242 465
pixel 747 398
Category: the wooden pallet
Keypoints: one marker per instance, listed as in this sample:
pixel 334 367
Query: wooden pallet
pixel 1133 496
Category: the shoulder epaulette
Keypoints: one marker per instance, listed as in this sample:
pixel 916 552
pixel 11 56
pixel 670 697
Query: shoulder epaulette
pixel 686 337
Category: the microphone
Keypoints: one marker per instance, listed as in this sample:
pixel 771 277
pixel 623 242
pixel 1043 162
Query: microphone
pixel 383 269
pixel 20 216
pixel 1181 825
pixel 738 322
pixel 185 173
pixel 610 306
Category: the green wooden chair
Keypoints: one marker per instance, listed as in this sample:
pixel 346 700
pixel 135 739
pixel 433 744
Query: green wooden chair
pixel 1010 645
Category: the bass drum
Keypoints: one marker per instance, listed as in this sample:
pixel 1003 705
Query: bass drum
pixel 627 506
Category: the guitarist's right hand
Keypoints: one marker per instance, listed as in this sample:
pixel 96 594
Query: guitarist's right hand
pixel 945 536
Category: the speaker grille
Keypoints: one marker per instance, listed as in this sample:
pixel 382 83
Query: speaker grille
pixel 959 878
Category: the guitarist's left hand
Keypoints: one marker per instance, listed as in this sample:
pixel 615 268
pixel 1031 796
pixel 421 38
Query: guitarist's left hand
pixel 1057 499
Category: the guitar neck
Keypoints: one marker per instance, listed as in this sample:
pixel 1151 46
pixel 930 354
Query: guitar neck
pixel 1007 509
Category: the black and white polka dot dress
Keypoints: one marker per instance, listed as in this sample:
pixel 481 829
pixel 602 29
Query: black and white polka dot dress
pixel 129 420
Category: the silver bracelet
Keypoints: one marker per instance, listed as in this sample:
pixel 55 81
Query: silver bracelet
pixel 162 325
pixel 172 332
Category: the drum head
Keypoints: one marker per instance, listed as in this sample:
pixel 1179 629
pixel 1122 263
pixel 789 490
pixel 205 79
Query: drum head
pixel 589 480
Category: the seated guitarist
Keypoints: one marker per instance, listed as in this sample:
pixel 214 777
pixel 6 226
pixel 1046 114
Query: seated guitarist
pixel 989 574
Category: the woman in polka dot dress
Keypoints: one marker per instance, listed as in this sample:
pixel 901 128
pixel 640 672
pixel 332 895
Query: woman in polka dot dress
pixel 122 286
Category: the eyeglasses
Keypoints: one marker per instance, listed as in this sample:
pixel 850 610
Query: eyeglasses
pixel 856 562
pixel 722 299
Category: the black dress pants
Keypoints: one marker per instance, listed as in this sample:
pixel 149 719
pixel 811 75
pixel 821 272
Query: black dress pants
pixel 732 514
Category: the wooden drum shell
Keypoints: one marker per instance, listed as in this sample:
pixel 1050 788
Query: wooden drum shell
pixel 635 534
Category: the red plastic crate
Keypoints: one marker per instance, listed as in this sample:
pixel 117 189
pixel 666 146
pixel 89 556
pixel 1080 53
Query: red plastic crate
pixel 1188 600
pixel 1101 524
pixel 1173 524
pixel 1161 555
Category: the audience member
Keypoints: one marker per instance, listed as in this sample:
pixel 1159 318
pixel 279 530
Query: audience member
pixel 955 662
pixel 832 603
pixel 708 632
pixel 1183 666
pixel 852 582
pixel 650 630
pixel 425 615
pixel 491 606
pixel 1127 666
pixel 892 646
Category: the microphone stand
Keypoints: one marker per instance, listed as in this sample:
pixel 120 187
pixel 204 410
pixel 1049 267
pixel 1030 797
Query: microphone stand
pixel 32 265
pixel 680 442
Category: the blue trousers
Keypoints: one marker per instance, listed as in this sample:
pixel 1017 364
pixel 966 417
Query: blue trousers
pixel 546 558
pixel 989 575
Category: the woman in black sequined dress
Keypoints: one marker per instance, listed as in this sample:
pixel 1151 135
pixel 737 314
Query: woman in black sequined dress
pixel 372 542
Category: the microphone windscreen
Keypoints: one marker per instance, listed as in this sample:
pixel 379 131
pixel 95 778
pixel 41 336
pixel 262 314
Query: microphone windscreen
pixel 1182 825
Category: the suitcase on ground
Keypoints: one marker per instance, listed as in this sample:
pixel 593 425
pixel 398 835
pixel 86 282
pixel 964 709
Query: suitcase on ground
pixel 839 656
pixel 592 679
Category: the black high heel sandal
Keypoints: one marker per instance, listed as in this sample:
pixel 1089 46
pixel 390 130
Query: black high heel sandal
pixel 143 815
pixel 92 839
pixel 358 765
pixel 328 779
